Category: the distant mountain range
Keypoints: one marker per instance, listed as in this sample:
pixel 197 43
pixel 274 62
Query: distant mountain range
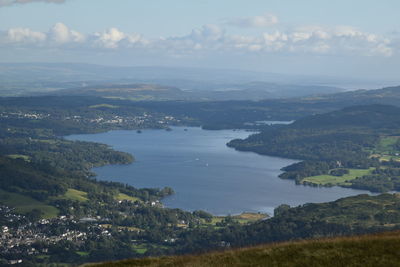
pixel 387 95
pixel 171 83
pixel 248 91
pixel 127 91
pixel 68 72
pixel 196 83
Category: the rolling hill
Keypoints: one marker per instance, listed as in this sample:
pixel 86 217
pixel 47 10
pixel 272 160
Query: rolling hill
pixel 195 83
pixel 148 92
pixel 358 139
pixel 367 250
pixel 127 91
pixel 386 95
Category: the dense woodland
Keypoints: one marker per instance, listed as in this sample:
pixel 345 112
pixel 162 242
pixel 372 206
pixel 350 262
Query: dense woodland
pixel 209 114
pixel 329 142
pixel 347 216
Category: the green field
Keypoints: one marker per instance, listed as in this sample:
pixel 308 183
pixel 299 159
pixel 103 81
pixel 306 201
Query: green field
pixel 385 149
pixel 74 194
pixel 389 158
pixel 141 249
pixel 24 204
pixel 82 253
pixel 19 156
pixel 337 180
pixel 385 144
pixel 47 141
pixel 243 218
pixel 135 98
pixel 103 106
pixel 122 196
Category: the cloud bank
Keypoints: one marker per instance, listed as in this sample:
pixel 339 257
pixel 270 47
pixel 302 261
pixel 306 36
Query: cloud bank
pixel 313 40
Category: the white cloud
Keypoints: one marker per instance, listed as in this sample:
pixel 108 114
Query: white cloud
pixel 207 37
pixel 24 35
pixel 110 38
pixel 62 34
pixel 114 38
pixel 209 32
pixel 336 40
pixel 135 38
pixel 275 41
pixel 14 2
pixel 59 34
pixel 342 40
pixel 253 22
pixel 300 36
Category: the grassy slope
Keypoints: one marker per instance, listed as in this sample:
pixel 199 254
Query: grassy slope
pixel 122 196
pixel 24 204
pixel 19 156
pixel 243 218
pixel 386 144
pixel 338 180
pixel 369 250
pixel 73 194
pixel 384 151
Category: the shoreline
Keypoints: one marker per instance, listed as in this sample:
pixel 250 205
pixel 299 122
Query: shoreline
pixel 263 209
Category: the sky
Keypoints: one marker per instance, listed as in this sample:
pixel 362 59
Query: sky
pixel 357 38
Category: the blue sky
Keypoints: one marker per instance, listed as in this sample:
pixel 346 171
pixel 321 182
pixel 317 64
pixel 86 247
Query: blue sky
pixel 335 38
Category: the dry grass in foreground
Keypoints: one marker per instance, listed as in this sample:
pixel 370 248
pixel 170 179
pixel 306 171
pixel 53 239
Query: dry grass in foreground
pixel 367 250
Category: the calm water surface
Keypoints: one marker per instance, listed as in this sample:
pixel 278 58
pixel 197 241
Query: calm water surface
pixel 205 173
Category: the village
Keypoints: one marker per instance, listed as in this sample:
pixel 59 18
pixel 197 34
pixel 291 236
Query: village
pixel 22 238
pixel 143 120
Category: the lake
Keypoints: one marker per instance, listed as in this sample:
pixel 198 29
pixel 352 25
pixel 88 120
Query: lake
pixel 205 173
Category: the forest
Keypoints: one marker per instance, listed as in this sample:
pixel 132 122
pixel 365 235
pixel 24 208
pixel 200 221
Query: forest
pixel 326 143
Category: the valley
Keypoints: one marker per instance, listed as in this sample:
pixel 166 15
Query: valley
pixel 199 133
pixel 55 199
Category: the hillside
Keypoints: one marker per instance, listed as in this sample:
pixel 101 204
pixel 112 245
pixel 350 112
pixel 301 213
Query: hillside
pixel 236 114
pixel 127 91
pixel 197 83
pixel 367 250
pixel 330 102
pixel 363 138
pixel 196 92
pixel 373 117
pixel 257 91
pixel 387 95
pixel 334 145
pixel 348 130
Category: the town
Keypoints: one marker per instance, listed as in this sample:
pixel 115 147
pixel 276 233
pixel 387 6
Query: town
pixel 22 238
pixel 142 120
